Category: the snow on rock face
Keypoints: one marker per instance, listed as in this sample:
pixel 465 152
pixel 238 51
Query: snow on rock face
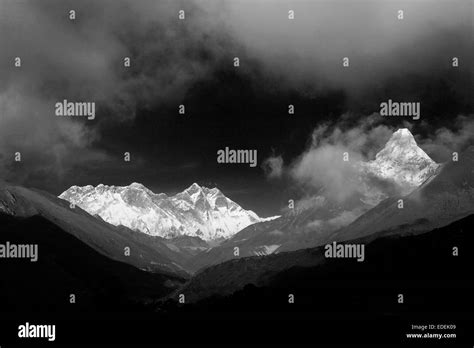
pixel 197 211
pixel 398 169
pixel 402 161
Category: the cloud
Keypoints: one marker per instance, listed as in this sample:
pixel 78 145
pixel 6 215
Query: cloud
pixel 273 167
pixel 322 166
pixel 49 146
pixel 82 60
pixel 445 141
pixel 307 52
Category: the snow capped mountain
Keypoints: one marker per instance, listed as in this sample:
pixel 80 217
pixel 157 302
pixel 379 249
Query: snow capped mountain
pixel 446 197
pixel 402 161
pixel 46 212
pixel 197 211
pixel 398 169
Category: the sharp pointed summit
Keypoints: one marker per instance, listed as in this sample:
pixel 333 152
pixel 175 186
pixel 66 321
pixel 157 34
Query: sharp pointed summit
pixel 194 190
pixel 402 146
pixel 402 161
pixel 402 138
pixel 402 133
pixel 194 186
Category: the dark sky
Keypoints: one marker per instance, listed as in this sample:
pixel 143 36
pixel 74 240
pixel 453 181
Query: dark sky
pixel 190 62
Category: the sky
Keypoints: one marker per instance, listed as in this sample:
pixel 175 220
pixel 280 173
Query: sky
pixel 191 62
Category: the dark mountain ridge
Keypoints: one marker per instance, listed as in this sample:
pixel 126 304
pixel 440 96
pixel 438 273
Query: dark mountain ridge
pixel 422 265
pixel 145 253
pixel 66 266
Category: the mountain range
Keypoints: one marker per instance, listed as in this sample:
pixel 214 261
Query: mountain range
pixel 438 201
pixel 397 170
pixel 196 212
pixel 146 253
pixel 443 203
pixel 163 265
pixel 422 266
pixel 207 214
pixel 199 227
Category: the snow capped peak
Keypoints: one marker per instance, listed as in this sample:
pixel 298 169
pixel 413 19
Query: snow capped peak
pixel 193 188
pixel 402 161
pixel 402 133
pixel 402 148
pixel 197 211
pixel 401 139
pixel 197 188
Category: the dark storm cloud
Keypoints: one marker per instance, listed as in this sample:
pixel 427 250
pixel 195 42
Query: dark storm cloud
pixel 309 50
pixel 82 60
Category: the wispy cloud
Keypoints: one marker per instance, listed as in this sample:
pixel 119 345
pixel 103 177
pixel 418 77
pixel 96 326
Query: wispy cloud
pixel 321 167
